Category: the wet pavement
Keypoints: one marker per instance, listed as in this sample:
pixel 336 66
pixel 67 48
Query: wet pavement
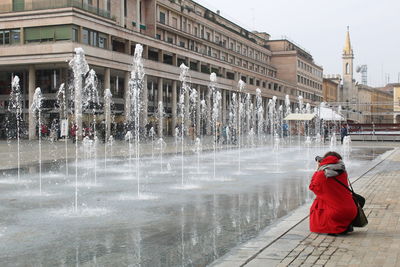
pixel 290 243
pixel 168 223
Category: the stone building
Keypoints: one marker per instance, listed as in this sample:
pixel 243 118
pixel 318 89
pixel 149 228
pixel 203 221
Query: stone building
pixel 362 103
pixel 330 88
pixel 38 38
pixel 375 105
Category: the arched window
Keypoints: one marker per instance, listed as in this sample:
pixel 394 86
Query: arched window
pixel 347 68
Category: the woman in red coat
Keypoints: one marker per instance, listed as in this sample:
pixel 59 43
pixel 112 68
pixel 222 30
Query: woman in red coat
pixel 333 209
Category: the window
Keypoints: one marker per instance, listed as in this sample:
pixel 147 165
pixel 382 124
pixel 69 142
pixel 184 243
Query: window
pixel 10 37
pixel 158 36
pixel 175 23
pixel 230 76
pixel 48 33
pixel 251 81
pixel 102 41
pixel 85 36
pixel 108 5
pixel 162 17
pixel 93 38
pixel 75 35
pixel 170 40
pixel 195 31
pixel 48 80
pixel 182 44
pixel 18 5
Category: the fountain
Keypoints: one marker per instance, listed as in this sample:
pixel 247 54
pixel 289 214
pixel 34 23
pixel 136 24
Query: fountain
pixel 176 137
pixel 152 135
pixel 239 115
pixel 260 116
pixel 79 67
pixel 14 106
pixel 216 96
pixel 36 108
pixel 107 115
pixel 251 136
pixel 333 142
pixel 160 143
pixel 183 77
pixel 210 221
pixel 161 147
pixel 136 84
pixel 90 102
pixel 62 104
pixel 198 148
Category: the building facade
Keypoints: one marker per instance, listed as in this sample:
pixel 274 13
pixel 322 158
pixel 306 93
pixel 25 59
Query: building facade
pixel 38 38
pixel 330 88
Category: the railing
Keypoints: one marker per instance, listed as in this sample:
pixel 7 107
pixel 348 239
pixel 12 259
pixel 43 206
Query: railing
pixel 374 129
pixel 51 4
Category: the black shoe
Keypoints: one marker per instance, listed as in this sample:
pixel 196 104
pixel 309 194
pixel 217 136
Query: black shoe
pixel 350 228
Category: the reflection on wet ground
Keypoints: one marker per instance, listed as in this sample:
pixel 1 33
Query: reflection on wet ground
pixel 168 225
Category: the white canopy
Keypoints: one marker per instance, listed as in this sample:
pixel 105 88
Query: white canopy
pixel 328 114
pixel 299 117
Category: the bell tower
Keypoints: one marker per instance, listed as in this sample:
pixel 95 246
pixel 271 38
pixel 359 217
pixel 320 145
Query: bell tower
pixel 349 92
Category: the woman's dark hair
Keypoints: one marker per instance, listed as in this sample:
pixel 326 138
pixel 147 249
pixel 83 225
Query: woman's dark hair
pixel 332 153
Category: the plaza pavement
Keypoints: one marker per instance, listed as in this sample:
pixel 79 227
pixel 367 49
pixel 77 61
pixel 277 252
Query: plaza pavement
pixel 290 243
pixel 54 151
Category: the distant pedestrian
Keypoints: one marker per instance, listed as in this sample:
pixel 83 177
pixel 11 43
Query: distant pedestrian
pixel 73 130
pixel 343 133
pixel 326 133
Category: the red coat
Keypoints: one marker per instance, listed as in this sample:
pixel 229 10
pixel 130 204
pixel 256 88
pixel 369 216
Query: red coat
pixel 333 208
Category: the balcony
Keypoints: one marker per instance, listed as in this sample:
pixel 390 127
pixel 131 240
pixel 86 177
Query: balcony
pixel 21 6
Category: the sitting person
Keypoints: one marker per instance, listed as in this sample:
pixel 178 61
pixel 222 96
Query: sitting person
pixel 333 209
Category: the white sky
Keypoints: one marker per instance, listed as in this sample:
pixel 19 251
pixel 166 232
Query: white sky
pixel 319 26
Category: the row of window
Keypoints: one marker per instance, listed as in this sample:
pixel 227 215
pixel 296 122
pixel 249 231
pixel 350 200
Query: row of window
pixel 212 52
pixel 304 66
pixel 50 33
pixel 310 96
pixel 98 39
pixel 94 38
pixel 201 31
pixel 308 82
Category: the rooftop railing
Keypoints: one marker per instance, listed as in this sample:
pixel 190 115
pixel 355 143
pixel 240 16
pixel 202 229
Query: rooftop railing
pixel 21 6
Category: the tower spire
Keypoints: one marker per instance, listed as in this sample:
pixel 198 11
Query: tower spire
pixel 347 50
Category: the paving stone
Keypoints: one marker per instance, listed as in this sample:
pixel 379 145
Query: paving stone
pixel 376 245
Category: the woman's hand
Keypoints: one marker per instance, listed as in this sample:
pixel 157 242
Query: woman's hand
pixel 317 166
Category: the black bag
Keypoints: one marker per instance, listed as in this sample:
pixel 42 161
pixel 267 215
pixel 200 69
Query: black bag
pixel 360 220
pixel 358 199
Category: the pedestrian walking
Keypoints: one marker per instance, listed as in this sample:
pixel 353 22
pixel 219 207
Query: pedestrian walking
pixel 343 133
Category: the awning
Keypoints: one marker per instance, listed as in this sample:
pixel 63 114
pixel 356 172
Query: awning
pixel 299 117
pixel 328 114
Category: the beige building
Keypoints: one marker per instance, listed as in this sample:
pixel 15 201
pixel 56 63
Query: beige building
pixel 297 66
pixel 330 88
pixel 362 103
pixel 38 38
pixel 375 105
pixel 396 103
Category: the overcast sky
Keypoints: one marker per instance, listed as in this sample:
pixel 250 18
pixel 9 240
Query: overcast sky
pixel 319 26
